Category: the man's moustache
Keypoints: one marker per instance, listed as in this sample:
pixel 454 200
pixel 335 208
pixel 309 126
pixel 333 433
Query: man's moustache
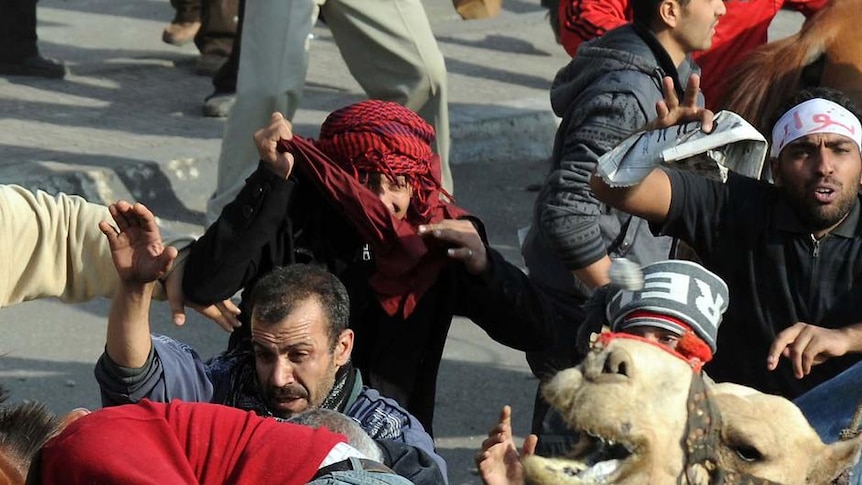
pixel 290 392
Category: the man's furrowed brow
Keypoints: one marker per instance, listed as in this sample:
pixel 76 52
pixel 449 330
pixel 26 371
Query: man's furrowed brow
pixel 272 348
pixel 801 143
pixel 259 347
pixel 842 143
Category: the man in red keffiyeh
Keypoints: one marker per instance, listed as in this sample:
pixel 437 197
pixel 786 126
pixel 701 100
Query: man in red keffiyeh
pixel 365 201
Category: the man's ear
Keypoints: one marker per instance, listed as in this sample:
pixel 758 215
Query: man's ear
pixel 669 13
pixel 9 473
pixel 71 417
pixel 343 347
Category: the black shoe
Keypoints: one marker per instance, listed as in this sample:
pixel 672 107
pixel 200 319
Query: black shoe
pixel 35 65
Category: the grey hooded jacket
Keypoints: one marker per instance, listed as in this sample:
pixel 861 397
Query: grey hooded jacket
pixel 608 91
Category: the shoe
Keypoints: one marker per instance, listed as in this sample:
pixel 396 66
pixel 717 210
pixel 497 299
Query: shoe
pixel 209 64
pixel 218 105
pixel 180 33
pixel 35 65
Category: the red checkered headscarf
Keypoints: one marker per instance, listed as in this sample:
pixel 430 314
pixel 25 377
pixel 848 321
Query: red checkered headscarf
pixel 383 137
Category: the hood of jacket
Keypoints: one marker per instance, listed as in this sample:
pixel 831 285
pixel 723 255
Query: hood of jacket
pixel 627 48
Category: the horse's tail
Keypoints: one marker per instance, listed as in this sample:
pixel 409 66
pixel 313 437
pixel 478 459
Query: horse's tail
pixel 771 72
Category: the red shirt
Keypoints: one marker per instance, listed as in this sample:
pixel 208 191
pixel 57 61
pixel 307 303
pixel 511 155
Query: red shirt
pixel 744 27
pixel 188 443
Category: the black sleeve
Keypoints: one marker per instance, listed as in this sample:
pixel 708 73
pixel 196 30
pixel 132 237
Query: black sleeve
pixel 697 210
pixel 245 240
pixel 504 302
pixel 410 462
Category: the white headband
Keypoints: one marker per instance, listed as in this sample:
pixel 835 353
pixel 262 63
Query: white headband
pixel 815 116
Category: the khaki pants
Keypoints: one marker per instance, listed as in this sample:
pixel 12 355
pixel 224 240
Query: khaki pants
pixel 387 45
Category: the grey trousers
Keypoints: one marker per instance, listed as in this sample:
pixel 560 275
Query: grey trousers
pixel 387 45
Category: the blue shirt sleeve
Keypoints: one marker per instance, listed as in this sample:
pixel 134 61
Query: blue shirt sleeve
pixel 173 371
pixel 383 418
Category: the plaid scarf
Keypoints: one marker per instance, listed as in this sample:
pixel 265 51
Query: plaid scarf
pixel 382 137
pixel 244 391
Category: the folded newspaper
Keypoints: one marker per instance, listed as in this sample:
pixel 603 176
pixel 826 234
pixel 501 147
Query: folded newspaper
pixel 733 144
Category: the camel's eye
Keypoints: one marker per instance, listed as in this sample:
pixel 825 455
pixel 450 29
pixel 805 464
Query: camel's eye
pixel 748 453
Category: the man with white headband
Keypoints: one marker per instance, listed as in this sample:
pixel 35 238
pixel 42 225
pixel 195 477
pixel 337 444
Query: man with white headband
pixel 790 252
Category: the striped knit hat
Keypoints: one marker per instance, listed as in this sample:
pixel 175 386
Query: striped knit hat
pixel 679 296
pixel 384 137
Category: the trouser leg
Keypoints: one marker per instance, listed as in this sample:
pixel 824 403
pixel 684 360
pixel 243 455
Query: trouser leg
pixel 17 29
pixel 272 72
pixel 218 27
pixel 830 406
pixel 391 51
pixel 224 80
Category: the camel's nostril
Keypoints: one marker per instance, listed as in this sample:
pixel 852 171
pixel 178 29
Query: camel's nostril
pixel 616 363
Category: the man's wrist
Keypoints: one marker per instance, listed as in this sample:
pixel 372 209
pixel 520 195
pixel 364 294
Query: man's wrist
pixel 853 334
pixel 137 289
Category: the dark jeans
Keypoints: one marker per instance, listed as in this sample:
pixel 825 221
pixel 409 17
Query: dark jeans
pixel 830 407
pixel 17 29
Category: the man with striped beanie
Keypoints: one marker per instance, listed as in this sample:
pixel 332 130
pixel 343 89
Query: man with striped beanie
pixel 679 305
pixel 365 201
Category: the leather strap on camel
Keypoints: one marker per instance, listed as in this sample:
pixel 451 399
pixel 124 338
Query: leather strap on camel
pixel 702 442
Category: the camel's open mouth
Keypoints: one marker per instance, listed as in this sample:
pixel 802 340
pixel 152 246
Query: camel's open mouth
pixel 593 460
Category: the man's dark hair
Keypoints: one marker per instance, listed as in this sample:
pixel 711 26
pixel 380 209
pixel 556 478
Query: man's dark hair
pixel 644 12
pixel 829 94
pixel 24 430
pixel 278 293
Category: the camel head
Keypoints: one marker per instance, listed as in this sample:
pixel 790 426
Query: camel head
pixel 645 417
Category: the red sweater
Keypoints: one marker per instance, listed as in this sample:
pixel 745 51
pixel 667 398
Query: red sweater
pixel 741 29
pixel 188 443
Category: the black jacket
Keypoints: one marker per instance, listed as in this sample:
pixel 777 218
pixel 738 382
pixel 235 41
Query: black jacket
pixel 275 222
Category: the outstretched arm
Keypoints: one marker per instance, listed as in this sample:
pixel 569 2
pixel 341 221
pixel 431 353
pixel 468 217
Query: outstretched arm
pixel 247 239
pixel 651 198
pixel 140 258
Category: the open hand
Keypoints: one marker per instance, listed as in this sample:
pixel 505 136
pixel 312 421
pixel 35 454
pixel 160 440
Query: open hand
pixel 136 247
pixel 224 313
pixel 462 234
pixel 807 345
pixel 499 462
pixel 671 112
pixel 266 140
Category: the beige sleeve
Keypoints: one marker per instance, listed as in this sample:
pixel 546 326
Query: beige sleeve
pixel 52 247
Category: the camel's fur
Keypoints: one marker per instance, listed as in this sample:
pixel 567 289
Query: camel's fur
pixel 635 394
pixel 770 73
